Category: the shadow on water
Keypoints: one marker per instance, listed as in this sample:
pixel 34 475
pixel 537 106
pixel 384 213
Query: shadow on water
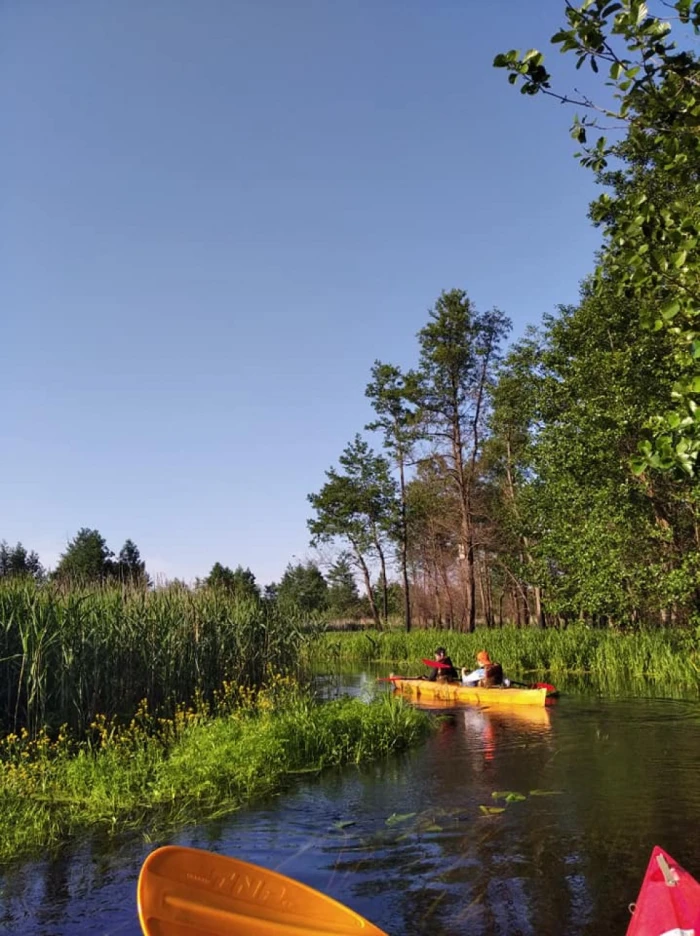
pixel 505 822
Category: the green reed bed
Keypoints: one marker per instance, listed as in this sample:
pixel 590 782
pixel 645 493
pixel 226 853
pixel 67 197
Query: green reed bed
pixel 66 655
pixel 672 655
pixel 155 773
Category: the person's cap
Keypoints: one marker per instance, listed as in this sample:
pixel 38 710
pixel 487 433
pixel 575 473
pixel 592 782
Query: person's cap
pixel 483 657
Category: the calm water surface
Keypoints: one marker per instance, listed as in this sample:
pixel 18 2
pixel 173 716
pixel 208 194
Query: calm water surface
pixel 604 780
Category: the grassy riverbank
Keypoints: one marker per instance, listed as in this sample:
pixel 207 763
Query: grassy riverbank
pixel 155 773
pixel 671 655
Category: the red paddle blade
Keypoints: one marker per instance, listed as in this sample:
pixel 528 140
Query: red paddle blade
pixel 668 901
pixel 436 664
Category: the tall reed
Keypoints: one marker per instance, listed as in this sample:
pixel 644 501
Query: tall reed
pixel 670 654
pixel 66 656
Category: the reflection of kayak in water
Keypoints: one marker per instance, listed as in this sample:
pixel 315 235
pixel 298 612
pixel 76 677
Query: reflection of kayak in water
pixel 478 716
pixel 426 689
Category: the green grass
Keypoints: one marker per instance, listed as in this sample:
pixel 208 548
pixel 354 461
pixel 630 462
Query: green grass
pixel 67 655
pixel 671 655
pixel 156 773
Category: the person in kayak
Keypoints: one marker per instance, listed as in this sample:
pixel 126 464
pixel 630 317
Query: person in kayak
pixel 487 674
pixel 443 673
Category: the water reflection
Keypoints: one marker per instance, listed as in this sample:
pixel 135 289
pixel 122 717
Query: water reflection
pixel 407 844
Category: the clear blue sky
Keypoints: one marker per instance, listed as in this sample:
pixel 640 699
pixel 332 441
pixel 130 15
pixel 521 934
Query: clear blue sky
pixel 216 215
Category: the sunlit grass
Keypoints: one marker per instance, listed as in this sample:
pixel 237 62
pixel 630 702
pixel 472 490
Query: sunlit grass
pixel 153 772
pixel 66 655
pixel 672 655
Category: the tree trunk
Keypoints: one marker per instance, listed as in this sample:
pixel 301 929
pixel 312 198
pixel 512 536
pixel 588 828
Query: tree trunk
pixel 385 587
pixel 518 607
pixel 368 587
pixel 404 550
pixel 471 589
pixel 539 610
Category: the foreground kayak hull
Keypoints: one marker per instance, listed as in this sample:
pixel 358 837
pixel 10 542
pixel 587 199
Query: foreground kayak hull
pixel 456 692
pixel 669 900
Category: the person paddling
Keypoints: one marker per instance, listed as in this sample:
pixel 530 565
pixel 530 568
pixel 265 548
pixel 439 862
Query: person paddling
pixel 487 673
pixel 447 670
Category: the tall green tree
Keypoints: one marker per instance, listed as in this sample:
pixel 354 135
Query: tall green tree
pixel 434 541
pixel 303 586
pixel 87 559
pixel 16 562
pixel 238 582
pixel 612 546
pixel 343 594
pixel 650 213
pixel 508 468
pixel 130 567
pixel 392 394
pixel 459 351
pixel 370 474
pixel 358 506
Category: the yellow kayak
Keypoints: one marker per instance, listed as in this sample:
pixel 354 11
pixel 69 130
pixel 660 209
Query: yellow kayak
pixel 456 692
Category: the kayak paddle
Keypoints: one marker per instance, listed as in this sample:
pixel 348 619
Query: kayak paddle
pixel 183 891
pixel 436 664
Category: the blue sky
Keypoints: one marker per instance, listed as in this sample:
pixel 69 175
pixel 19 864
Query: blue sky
pixel 216 215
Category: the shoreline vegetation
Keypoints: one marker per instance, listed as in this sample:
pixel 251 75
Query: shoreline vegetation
pixel 153 774
pixel 664 654
pixel 127 708
pixel 148 709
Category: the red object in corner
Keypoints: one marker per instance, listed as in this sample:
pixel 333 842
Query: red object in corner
pixel 669 900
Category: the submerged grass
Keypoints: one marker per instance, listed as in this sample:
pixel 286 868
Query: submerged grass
pixel 155 773
pixel 671 655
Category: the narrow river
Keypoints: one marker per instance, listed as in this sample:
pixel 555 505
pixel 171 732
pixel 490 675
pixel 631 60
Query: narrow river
pixel 406 843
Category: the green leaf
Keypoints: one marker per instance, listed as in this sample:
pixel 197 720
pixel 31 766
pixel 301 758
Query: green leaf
pixel 670 309
pixel 546 792
pixel 515 798
pixel 395 818
pixel 492 810
pixel 343 824
pixel 508 795
pixel 679 258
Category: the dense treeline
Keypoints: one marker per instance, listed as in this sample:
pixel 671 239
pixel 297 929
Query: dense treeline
pixel 557 482
pixel 88 562
pixel 520 499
